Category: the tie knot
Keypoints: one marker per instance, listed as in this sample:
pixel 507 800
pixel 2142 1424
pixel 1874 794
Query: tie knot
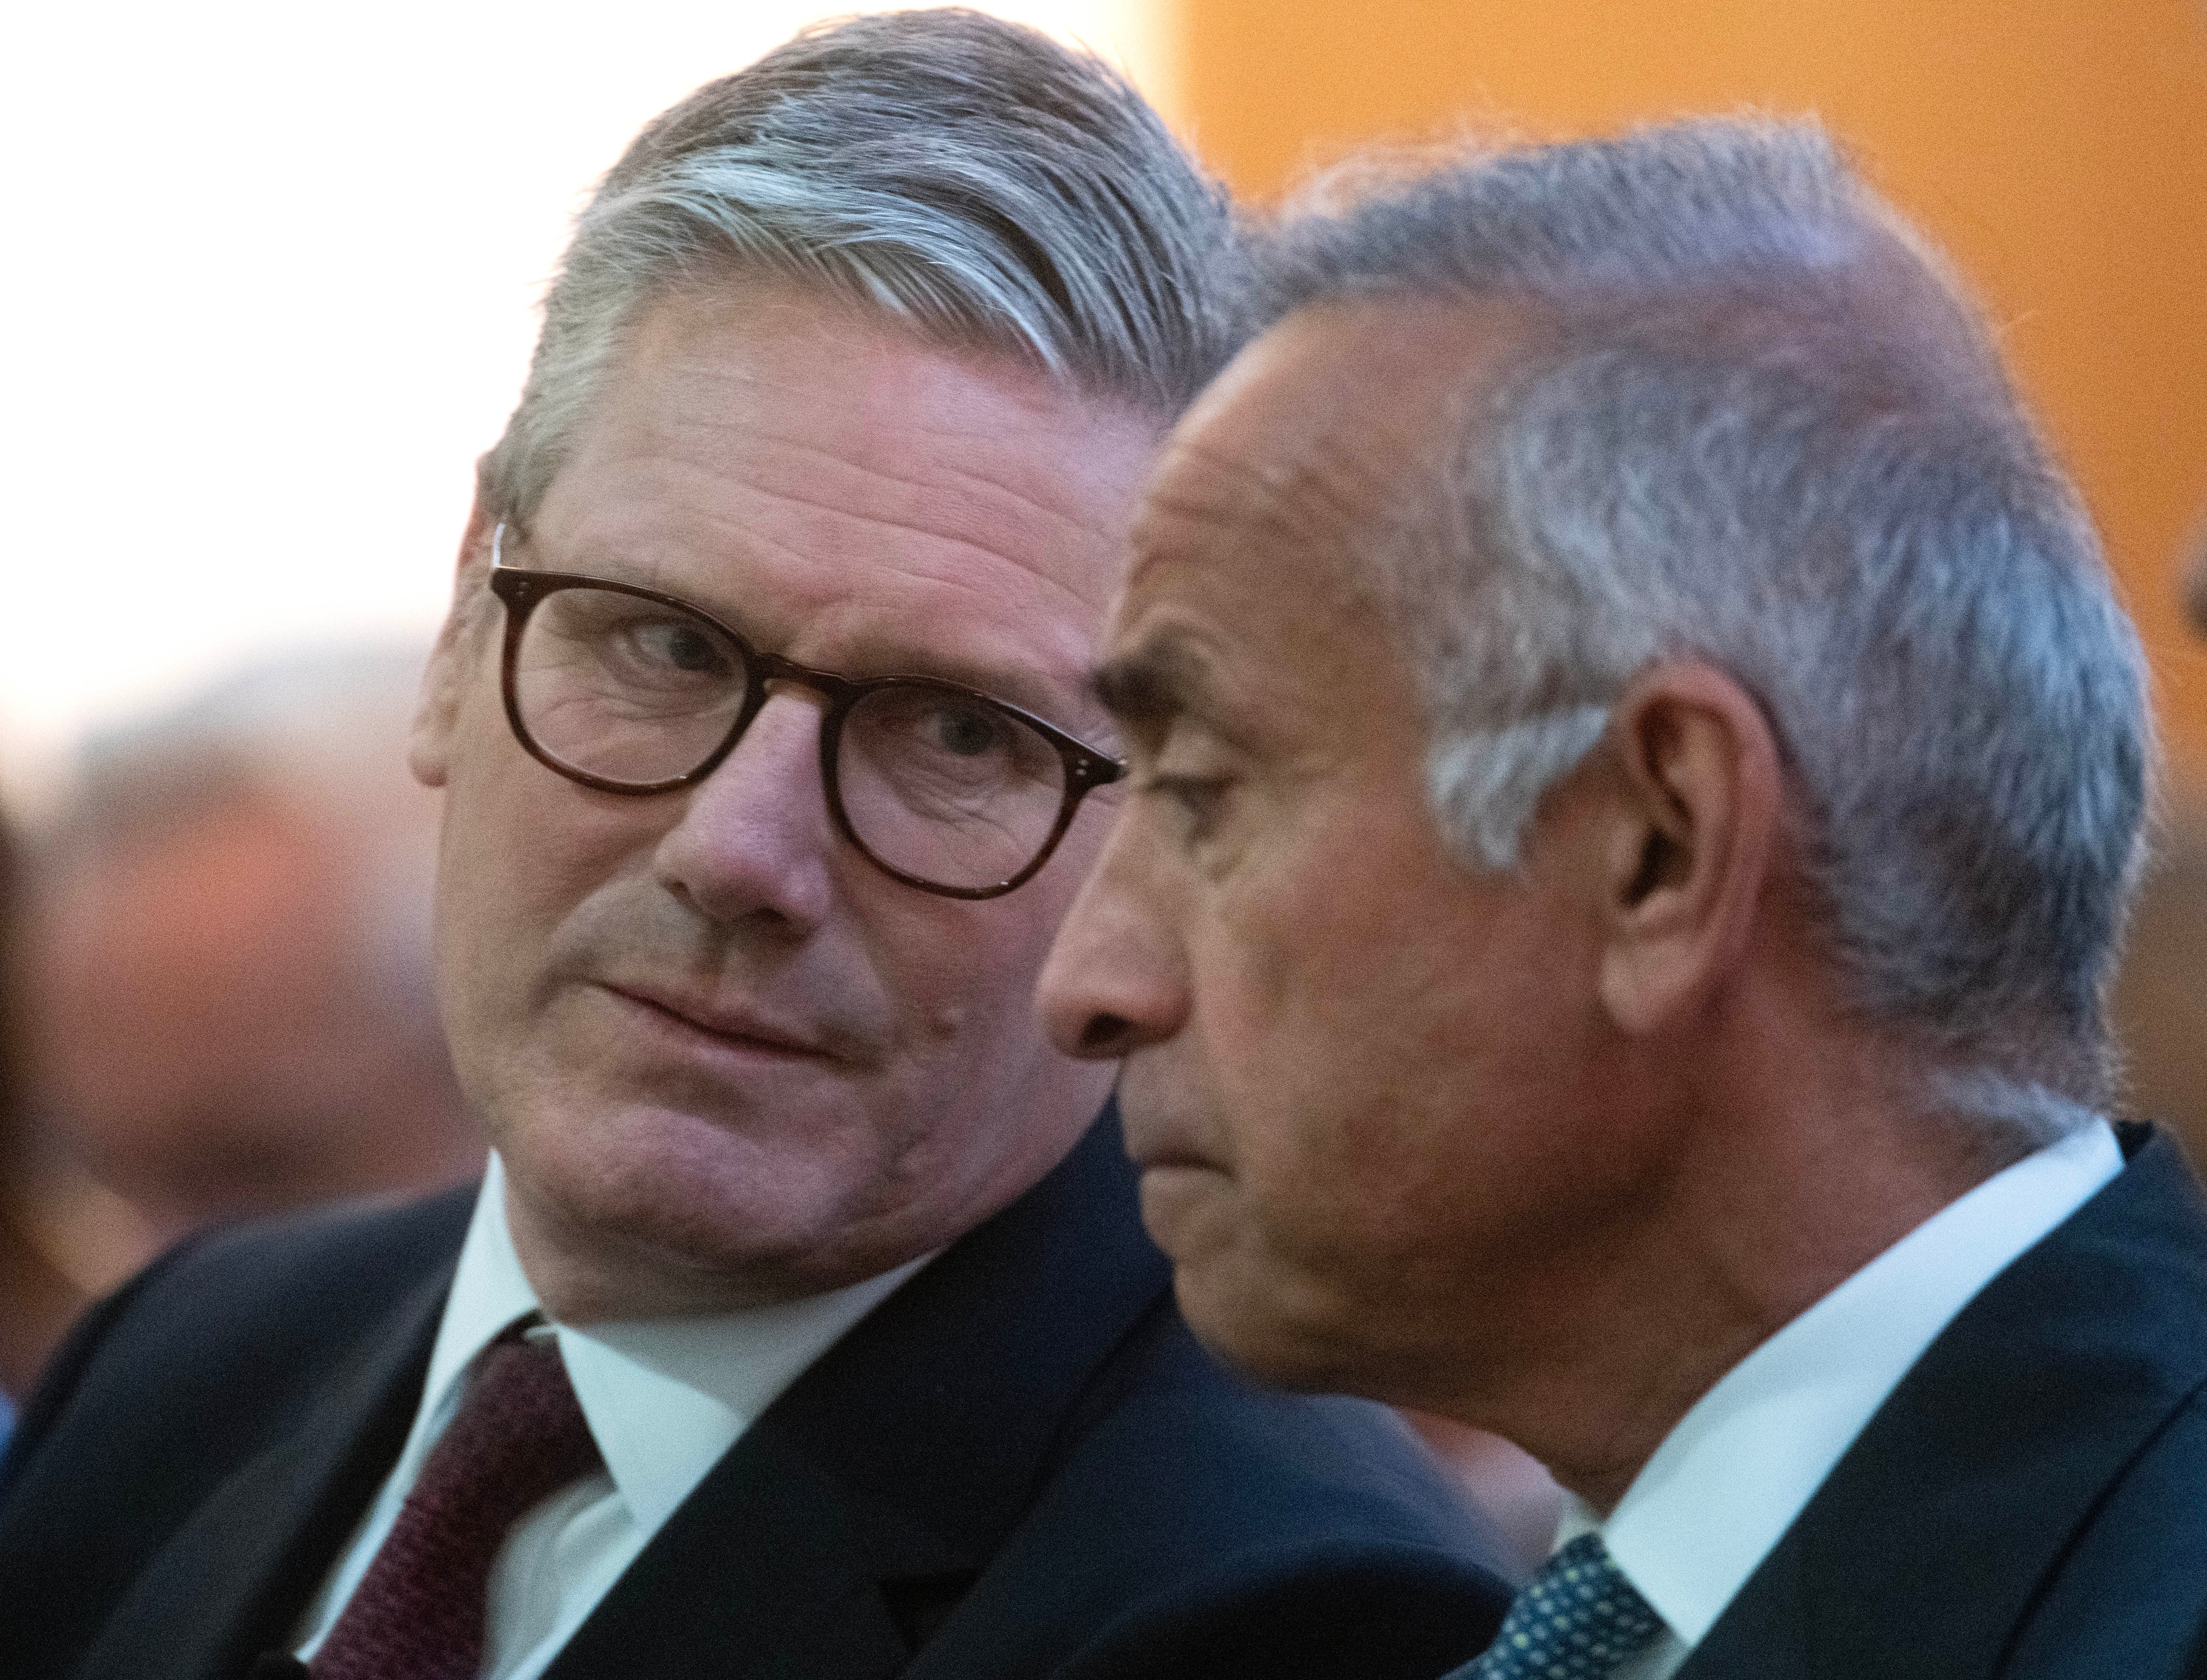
pixel 518 1436
pixel 519 1433
pixel 1577 1619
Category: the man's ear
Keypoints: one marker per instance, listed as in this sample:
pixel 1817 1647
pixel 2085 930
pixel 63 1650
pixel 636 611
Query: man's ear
pixel 452 660
pixel 1691 843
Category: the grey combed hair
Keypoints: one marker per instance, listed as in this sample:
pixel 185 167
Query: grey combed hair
pixel 968 176
pixel 1759 425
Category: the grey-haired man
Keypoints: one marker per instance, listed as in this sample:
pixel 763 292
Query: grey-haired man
pixel 1637 774
pixel 802 1325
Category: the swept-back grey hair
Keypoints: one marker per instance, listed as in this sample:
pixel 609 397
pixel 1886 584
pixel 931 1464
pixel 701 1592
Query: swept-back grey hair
pixel 1760 427
pixel 969 177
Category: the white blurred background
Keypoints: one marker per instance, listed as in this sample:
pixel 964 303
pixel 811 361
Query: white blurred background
pixel 270 289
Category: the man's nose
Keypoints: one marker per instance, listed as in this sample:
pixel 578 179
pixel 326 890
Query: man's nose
pixel 1117 980
pixel 755 838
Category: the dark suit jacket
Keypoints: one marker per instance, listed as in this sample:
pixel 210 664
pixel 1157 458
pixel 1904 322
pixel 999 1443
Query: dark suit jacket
pixel 2031 1501
pixel 1019 1463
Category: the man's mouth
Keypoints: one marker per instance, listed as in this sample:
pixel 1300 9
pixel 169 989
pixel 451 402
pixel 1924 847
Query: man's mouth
pixel 1154 1141
pixel 738 1025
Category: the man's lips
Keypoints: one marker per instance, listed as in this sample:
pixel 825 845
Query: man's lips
pixel 733 1023
pixel 1175 1160
pixel 1154 1145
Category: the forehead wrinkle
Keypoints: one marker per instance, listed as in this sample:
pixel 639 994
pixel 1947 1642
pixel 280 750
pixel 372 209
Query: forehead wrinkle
pixel 943 575
pixel 913 494
pixel 941 414
pixel 1230 482
pixel 950 459
pixel 1315 497
pixel 1201 495
pixel 943 555
pixel 941 446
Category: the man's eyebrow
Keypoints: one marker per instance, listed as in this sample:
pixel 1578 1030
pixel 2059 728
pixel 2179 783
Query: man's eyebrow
pixel 1164 678
pixel 1022 683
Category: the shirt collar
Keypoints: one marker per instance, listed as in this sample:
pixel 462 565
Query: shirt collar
pixel 1731 1478
pixel 664 1398
pixel 490 1292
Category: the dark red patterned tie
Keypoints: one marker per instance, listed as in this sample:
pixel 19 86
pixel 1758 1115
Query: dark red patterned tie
pixel 418 1612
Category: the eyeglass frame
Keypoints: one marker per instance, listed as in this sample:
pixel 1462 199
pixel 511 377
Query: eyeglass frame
pixel 522 589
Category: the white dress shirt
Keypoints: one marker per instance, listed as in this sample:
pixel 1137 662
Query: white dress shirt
pixel 665 1398
pixel 1728 1481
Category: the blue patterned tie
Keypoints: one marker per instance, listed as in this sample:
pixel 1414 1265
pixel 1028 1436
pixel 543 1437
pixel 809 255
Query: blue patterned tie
pixel 1575 1620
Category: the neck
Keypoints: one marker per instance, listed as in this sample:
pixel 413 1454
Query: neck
pixel 1798 1160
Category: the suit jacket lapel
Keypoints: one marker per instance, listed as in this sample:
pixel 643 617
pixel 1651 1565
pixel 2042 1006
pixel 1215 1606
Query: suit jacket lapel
pixel 232 1580
pixel 1924 1550
pixel 880 1483
pixel 759 1572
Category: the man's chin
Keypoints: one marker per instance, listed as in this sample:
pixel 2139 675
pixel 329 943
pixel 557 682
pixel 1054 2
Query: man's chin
pixel 641 1231
pixel 1240 1327
pixel 1185 1206
pixel 1226 1292
pixel 661 1269
pixel 1259 1315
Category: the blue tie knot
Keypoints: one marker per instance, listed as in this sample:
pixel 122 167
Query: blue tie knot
pixel 1577 1619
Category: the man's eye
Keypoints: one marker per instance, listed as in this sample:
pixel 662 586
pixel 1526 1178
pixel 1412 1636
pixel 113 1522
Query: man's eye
pixel 967 732
pixel 675 644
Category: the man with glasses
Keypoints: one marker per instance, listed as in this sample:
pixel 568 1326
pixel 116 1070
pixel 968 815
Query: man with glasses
pixel 803 1325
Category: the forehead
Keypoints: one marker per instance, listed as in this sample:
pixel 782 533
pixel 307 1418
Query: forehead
pixel 846 493
pixel 1259 531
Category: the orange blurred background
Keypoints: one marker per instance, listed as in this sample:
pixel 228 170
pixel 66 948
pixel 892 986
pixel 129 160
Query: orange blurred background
pixel 2056 148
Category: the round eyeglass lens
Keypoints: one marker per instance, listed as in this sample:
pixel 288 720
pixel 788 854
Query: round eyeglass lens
pixel 945 786
pixel 624 688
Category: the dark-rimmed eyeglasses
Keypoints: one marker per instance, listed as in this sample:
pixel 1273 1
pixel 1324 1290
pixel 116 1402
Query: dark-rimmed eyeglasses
pixel 630 691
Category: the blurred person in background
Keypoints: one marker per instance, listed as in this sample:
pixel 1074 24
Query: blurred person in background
pixel 38 1297
pixel 228 991
pixel 1637 775
pixel 805 1324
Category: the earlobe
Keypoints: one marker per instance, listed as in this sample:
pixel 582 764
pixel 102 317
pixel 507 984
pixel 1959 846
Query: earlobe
pixel 444 681
pixel 1689 842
